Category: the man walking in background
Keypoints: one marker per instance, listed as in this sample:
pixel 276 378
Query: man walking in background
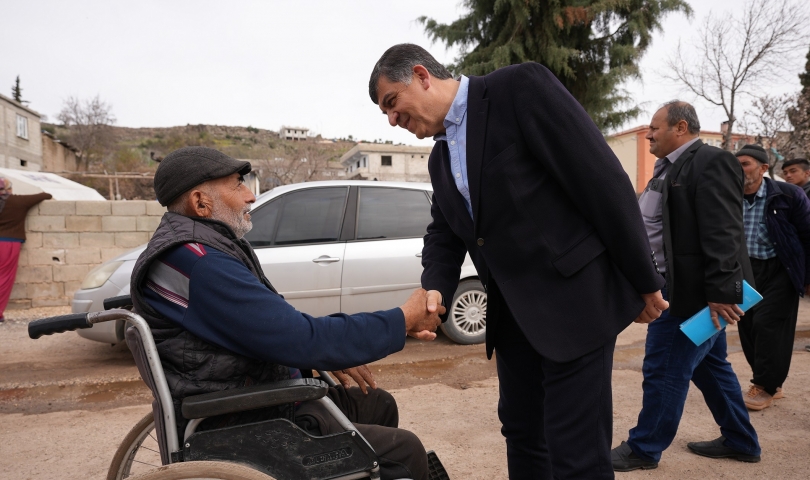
pixel 777 232
pixel 525 183
pixel 797 172
pixel 692 208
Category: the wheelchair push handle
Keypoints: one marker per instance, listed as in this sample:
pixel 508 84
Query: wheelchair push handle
pixel 121 301
pixel 62 323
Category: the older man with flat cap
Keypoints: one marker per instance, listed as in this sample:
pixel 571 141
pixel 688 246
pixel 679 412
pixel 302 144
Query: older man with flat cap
pixel 777 233
pixel 219 324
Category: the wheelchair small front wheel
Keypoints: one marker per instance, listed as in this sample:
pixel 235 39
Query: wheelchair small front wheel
pixel 206 470
pixel 138 451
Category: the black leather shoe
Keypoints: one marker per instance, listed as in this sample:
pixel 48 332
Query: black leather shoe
pixel 716 449
pixel 624 460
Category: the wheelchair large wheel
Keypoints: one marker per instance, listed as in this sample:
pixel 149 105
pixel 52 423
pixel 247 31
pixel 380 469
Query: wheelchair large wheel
pixel 138 452
pixel 203 470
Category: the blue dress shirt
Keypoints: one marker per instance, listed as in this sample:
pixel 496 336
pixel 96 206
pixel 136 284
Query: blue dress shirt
pixel 456 137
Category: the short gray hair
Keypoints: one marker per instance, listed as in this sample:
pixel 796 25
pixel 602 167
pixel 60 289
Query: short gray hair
pixel 397 63
pixel 180 204
pixel 678 110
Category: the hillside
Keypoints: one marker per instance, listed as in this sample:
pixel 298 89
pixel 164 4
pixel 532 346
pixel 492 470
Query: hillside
pixel 277 161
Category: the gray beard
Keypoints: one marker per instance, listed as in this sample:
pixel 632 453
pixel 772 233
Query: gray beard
pixel 232 218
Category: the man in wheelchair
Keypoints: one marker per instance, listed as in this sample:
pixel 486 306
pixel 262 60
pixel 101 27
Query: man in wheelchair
pixel 219 324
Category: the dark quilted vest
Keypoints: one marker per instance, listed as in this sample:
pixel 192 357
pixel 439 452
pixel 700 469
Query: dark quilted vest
pixel 192 365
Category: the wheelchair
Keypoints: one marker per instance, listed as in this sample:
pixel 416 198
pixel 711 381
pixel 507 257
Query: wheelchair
pixel 274 449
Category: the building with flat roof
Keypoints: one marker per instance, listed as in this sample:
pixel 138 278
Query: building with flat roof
pixel 20 136
pixel 633 150
pixel 292 133
pixel 386 162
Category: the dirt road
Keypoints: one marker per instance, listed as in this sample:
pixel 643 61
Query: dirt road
pixel 66 402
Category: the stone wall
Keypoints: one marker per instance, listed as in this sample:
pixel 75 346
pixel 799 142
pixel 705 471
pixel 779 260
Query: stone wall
pixel 65 240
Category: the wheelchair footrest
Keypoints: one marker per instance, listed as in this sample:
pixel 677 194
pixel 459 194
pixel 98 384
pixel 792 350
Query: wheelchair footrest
pixel 282 450
pixel 436 470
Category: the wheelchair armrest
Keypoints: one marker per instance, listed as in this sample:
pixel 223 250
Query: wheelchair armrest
pixel 250 398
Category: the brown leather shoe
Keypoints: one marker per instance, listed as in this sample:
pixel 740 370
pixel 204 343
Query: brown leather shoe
pixel 756 398
pixel 779 393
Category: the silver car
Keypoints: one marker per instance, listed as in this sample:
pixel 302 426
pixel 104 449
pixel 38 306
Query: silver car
pixel 335 246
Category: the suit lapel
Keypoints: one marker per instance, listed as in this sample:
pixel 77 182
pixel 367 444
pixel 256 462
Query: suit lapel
pixel 477 108
pixel 672 175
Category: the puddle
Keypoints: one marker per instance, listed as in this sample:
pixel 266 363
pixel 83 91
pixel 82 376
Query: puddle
pixel 52 398
pixel 628 357
pixel 426 369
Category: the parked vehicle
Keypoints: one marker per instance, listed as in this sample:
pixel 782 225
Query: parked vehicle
pixel 334 246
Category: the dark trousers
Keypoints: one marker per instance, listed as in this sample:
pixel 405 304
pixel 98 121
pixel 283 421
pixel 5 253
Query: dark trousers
pixel 557 417
pixel 767 330
pixel 671 360
pixel 376 417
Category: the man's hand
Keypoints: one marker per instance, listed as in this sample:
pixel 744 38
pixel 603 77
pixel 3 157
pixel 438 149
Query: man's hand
pixel 434 301
pixel 422 314
pixel 654 306
pixel 729 311
pixel 362 375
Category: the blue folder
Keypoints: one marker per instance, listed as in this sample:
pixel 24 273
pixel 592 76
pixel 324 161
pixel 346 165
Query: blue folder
pixel 700 327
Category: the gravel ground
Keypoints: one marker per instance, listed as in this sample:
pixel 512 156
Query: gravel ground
pixel 65 404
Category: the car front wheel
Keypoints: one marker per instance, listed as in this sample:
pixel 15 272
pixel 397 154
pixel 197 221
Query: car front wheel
pixel 467 320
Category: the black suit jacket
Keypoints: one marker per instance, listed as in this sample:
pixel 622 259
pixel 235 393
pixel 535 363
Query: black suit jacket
pixel 557 223
pixel 704 237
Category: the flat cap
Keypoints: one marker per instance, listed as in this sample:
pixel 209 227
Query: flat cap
pixel 187 167
pixel 754 151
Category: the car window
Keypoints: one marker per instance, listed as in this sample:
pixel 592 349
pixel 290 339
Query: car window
pixel 264 221
pixel 392 213
pixel 312 215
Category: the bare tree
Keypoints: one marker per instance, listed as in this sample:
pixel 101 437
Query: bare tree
pixel 309 163
pixel 88 123
pixel 736 56
pixel 769 118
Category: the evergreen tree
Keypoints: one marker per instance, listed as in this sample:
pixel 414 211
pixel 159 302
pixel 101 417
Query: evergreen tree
pixel 800 115
pixel 16 91
pixel 592 46
pixel 804 78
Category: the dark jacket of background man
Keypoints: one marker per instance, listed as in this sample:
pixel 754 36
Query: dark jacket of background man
pixel 789 227
pixel 704 241
pixel 556 224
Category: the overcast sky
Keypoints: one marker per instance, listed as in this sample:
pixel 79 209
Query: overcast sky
pixel 262 63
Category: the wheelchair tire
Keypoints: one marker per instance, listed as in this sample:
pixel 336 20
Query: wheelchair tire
pixel 203 470
pixel 124 458
pixel 467 320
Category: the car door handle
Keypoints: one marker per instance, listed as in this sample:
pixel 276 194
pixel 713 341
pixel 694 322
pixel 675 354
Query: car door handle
pixel 326 259
pixel 419 254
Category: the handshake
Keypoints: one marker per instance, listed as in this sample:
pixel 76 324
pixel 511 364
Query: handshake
pixel 422 312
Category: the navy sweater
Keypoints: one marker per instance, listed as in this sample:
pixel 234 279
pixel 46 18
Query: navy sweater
pixel 215 297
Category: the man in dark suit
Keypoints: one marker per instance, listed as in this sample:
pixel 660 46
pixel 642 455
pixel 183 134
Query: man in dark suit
pixel 692 209
pixel 525 183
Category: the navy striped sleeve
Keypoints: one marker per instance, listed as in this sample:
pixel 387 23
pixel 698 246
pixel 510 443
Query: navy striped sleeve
pixel 229 307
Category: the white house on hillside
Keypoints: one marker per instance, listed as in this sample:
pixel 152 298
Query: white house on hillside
pixel 293 133
pixel 20 136
pixel 386 162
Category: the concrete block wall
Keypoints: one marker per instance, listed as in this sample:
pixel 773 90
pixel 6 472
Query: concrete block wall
pixel 67 239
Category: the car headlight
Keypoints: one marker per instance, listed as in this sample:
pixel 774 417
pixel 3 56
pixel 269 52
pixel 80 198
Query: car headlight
pixel 100 274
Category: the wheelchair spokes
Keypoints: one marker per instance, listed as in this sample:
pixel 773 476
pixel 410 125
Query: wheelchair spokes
pixel 138 452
